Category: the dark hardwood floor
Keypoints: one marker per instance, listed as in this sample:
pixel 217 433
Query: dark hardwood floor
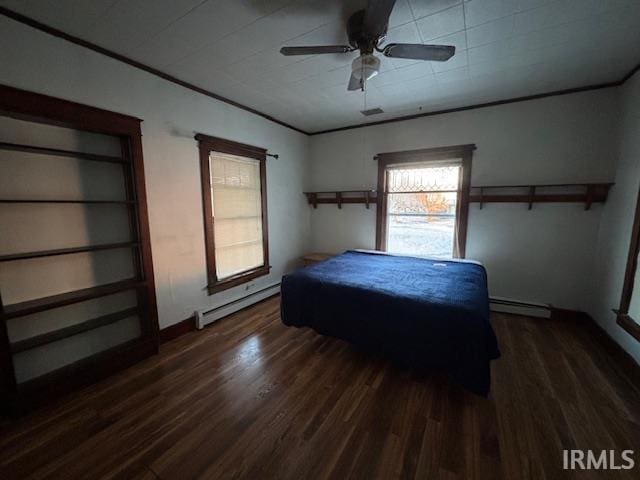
pixel 250 398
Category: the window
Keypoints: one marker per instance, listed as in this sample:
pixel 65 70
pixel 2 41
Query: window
pixel 235 212
pixel 421 209
pixel 424 204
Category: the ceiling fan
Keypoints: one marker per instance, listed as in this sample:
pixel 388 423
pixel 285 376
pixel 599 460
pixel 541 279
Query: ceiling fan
pixel 365 30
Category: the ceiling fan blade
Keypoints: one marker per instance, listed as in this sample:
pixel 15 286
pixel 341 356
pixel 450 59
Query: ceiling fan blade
pixel 416 51
pixel 376 17
pixel 314 50
pixel 354 83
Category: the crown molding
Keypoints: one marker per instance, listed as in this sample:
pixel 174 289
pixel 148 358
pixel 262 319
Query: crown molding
pixel 495 103
pixel 134 63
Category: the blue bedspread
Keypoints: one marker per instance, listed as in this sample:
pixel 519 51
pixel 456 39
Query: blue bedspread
pixel 428 313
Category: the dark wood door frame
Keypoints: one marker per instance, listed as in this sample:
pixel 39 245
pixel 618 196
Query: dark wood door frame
pixel 463 152
pixel 630 325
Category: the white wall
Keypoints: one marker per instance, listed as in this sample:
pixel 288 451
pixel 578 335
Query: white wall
pixel 171 114
pixel 617 220
pixel 543 255
pixel 546 254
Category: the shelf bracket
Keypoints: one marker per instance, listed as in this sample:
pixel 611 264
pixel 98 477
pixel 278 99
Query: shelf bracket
pixel 339 199
pixel 589 199
pixel 532 193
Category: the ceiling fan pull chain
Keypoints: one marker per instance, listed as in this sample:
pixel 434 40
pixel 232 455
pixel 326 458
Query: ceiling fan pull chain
pixel 364 93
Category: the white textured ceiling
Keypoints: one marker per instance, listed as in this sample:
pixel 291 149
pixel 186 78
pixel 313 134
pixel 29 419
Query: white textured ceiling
pixel 505 49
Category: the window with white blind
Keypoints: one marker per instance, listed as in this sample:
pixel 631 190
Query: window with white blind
pixel 234 201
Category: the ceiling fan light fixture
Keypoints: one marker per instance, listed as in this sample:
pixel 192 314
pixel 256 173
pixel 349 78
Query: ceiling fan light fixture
pixel 365 67
pixel 366 29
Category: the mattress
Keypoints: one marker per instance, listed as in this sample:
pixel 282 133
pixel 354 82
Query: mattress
pixel 430 314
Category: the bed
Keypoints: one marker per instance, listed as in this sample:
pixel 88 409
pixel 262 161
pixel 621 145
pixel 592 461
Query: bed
pixel 429 314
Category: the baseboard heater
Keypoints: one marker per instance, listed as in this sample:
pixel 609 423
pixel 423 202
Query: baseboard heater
pixel 207 316
pixel 498 304
pixel 507 305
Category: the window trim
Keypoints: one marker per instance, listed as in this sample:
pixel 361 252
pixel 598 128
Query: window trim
pixel 463 152
pixel 206 145
pixel 624 320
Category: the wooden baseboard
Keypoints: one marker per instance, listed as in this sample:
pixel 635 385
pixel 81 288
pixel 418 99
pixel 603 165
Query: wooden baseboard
pixel 178 329
pixel 631 367
pixel 189 325
pixel 566 315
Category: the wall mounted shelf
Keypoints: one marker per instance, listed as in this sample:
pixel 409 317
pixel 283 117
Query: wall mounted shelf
pixel 367 197
pixel 587 193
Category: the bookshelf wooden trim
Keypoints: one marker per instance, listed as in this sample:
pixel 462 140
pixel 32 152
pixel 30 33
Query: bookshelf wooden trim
pixel 132 149
pixel 72 330
pixel 47 379
pixel 34 107
pixel 66 251
pixel 62 299
pixel 16 147
pixel 89 202
pixel 41 390
pixel 7 372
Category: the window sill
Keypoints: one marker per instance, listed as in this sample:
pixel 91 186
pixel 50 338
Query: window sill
pixel 629 325
pixel 238 279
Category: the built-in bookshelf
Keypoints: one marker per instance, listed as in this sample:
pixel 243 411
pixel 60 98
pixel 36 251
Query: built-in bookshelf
pixel 77 298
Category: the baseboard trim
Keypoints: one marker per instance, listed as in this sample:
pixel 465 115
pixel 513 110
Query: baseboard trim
pixel 190 325
pixel 177 330
pixel 567 315
pixel 631 367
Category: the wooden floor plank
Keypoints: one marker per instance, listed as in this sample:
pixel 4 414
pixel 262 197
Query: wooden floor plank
pixel 250 398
